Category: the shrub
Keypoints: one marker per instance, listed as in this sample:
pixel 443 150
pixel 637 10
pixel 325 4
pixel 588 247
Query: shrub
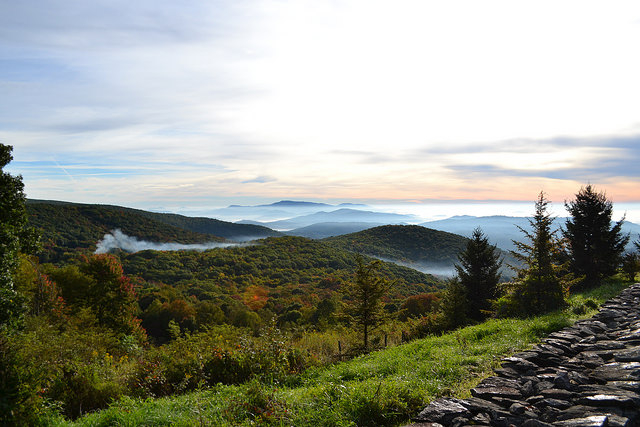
pixel 258 404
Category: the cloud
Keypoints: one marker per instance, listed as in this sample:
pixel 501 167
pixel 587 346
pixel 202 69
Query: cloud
pixel 563 158
pixel 118 240
pixel 148 100
pixel 260 179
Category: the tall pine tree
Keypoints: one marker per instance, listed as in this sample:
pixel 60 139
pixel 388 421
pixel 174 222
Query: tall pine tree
pixel 479 273
pixel 595 245
pixel 540 285
pixel 365 305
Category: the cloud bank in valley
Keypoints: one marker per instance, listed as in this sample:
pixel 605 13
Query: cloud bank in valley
pixel 118 240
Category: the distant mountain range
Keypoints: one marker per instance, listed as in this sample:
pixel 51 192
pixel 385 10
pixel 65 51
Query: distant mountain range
pixel 284 209
pixel 337 216
pixel 430 247
pixel 502 230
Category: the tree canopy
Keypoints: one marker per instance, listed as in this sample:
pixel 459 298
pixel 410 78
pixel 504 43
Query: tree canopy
pixel 540 285
pixel 364 298
pixel 15 237
pixel 479 272
pixel 594 245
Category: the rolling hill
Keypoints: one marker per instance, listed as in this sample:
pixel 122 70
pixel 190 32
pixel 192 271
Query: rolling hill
pixel 404 243
pixel 323 230
pixel 285 268
pixel 68 228
pixel 424 249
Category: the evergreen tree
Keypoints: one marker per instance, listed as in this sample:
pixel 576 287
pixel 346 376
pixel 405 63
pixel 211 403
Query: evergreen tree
pixel 595 246
pixel 479 273
pixel 630 265
pixel 365 306
pixel 454 305
pixel 15 237
pixel 540 285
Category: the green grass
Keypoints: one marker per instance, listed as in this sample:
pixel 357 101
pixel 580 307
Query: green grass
pixel 383 388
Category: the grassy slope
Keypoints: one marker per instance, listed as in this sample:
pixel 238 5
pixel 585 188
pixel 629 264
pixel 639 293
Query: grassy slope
pixel 382 388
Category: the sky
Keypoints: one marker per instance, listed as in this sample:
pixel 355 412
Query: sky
pixel 157 104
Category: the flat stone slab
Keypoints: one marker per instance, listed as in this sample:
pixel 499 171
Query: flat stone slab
pixel 443 411
pixel 617 371
pixel 493 392
pixel 619 399
pixel 628 355
pixel 593 421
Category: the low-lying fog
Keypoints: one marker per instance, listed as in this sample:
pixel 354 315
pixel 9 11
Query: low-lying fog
pixel 118 240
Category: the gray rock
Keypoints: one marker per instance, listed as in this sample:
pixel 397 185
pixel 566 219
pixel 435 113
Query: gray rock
pixel 626 385
pixel 536 423
pixel 617 371
pixel 443 411
pixel 519 364
pixel 494 392
pixel 593 421
pixel 542 385
pixel 476 405
pixel 555 403
pixel 557 393
pixel 459 422
pixel 620 399
pixel 517 408
pixel 482 419
pixel 562 381
pixel 628 355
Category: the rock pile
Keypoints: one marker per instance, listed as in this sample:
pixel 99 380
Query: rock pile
pixel 585 375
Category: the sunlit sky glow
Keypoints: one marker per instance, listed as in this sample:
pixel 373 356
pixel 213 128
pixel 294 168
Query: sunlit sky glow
pixel 156 103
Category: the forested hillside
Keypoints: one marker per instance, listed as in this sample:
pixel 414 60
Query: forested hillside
pixel 227 230
pixel 283 277
pixel 405 243
pixel 70 228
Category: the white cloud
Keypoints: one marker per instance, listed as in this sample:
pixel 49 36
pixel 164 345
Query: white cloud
pixel 282 90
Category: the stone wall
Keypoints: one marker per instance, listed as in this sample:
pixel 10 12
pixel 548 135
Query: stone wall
pixel 585 375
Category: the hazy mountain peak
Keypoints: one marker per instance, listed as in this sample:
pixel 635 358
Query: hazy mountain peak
pixel 296 203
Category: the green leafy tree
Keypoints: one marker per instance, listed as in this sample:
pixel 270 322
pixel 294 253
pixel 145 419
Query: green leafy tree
pixel 365 307
pixel 594 245
pixel 112 296
pixel 541 284
pixel 418 305
pixel 15 237
pixel 479 273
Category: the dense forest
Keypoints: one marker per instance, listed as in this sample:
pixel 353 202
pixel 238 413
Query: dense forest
pixel 291 279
